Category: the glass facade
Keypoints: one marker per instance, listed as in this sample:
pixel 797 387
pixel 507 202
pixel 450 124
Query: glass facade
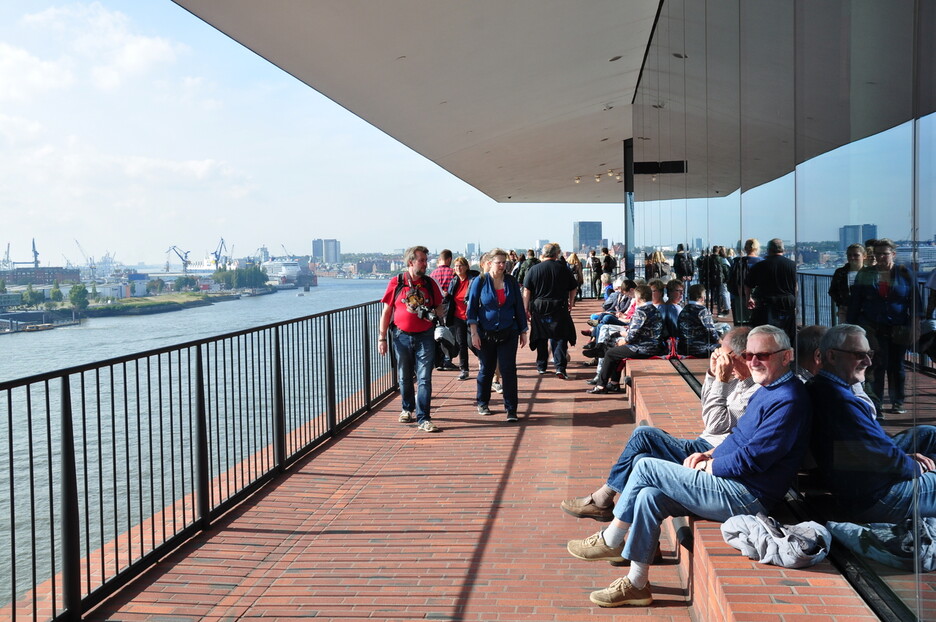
pixel 808 122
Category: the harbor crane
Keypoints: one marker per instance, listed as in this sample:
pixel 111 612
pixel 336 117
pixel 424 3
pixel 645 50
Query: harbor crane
pixel 92 268
pixel 217 255
pixel 6 264
pixel 34 263
pixel 183 255
pixel 289 255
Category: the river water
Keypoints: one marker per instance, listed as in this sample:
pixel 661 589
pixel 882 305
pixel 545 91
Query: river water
pixel 95 339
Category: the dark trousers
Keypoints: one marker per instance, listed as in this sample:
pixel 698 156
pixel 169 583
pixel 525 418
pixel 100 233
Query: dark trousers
pixel 460 330
pixel 492 355
pixel 558 346
pixel 609 365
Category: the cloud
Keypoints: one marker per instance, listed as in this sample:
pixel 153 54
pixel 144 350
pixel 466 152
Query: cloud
pixel 17 130
pixel 24 75
pixel 105 40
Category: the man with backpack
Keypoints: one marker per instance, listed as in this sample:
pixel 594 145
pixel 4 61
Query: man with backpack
pixel 595 264
pixel 683 265
pixel 608 263
pixel 739 271
pixel 411 304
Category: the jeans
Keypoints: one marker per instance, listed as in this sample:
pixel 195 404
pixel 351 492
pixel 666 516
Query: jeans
pixel 558 347
pixel 919 439
pixel 658 489
pixel 888 364
pixel 648 442
pixel 460 330
pixel 415 354
pixel 897 504
pixel 504 355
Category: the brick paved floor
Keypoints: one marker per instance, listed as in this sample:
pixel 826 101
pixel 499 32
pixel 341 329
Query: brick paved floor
pixel 392 523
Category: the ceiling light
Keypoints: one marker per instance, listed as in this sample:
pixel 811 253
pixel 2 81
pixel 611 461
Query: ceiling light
pixel 578 180
pixel 610 173
pixel 597 179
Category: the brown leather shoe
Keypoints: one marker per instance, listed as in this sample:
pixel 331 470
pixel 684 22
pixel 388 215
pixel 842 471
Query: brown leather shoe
pixel 584 507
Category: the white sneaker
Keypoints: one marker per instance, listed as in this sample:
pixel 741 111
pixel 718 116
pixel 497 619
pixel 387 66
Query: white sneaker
pixel 497 387
pixel 428 426
pixel 406 416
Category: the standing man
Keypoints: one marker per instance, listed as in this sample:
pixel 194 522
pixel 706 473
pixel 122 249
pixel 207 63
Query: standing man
pixel 528 263
pixel 595 264
pixel 608 262
pixel 408 302
pixel 443 275
pixel 770 290
pixel 683 264
pixel 548 294
pixel 737 274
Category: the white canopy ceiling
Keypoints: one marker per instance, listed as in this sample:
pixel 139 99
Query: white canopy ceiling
pixel 515 97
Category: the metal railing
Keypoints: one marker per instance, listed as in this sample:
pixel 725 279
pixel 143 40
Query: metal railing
pixel 106 467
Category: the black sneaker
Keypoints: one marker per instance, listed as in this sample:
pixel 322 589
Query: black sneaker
pixel 562 375
pixel 593 381
pixel 512 417
pixel 541 371
pixel 898 409
pixel 463 375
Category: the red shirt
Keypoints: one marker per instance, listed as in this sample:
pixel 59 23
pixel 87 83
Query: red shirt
pixel 461 307
pixel 425 292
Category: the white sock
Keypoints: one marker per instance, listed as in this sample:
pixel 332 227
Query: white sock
pixel 614 536
pixel 638 574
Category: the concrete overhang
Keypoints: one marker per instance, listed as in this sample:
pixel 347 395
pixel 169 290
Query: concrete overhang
pixel 515 97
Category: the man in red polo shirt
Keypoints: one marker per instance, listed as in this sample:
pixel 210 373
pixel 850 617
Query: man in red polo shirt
pixel 408 302
pixel 443 275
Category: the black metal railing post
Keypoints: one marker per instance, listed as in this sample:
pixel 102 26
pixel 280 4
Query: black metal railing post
pixel 815 289
pixel 203 494
pixel 365 342
pixel 802 293
pixel 71 538
pixel 331 401
pixel 279 405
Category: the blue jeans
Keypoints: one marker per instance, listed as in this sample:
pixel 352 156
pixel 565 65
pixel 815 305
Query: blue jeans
pixel 492 355
pixel 647 442
pixel 558 347
pixel 897 504
pixel 415 354
pixel 658 489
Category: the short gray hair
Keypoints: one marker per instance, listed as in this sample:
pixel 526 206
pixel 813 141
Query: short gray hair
pixel 780 337
pixel 551 250
pixel 836 336
pixel 736 339
pixel 410 255
pixel 775 246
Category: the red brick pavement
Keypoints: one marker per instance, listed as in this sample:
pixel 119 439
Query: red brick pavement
pixel 391 523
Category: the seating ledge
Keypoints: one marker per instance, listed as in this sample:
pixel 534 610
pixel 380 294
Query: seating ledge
pixel 723 584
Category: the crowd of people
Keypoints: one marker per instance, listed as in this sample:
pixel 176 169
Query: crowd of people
pixel 767 411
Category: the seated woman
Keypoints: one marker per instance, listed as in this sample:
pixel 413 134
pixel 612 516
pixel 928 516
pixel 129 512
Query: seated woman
pixel 620 303
pixel 642 341
pixel 697 333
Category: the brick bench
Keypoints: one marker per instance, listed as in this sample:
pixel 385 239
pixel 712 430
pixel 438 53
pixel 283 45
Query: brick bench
pixel 724 584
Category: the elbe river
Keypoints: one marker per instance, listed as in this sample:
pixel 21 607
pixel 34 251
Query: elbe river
pixel 96 339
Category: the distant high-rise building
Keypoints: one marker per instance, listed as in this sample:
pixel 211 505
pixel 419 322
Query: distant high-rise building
pixel 539 246
pixel 856 234
pixel 326 251
pixel 471 249
pixel 698 244
pixel 586 235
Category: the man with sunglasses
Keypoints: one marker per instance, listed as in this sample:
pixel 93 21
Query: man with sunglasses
pixel 870 475
pixel 747 473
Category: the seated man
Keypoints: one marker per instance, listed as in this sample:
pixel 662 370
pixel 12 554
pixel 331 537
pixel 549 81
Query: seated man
pixel 748 473
pixel 871 476
pixel 725 394
pixel 809 357
pixel 695 327
pixel 643 340
pixel 671 309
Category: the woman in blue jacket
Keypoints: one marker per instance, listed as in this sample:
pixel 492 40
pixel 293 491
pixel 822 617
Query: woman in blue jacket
pixel 497 323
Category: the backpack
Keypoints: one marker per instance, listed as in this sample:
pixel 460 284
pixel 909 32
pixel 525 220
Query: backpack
pixel 608 264
pixel 684 265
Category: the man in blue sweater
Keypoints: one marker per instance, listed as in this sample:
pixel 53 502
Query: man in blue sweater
pixel 871 476
pixel 748 473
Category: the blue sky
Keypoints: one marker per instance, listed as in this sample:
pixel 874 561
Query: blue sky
pixel 132 126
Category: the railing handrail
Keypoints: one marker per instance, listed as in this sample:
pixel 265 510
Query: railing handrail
pixel 117 360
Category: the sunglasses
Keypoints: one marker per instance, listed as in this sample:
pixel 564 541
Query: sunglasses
pixel 858 354
pixel 763 357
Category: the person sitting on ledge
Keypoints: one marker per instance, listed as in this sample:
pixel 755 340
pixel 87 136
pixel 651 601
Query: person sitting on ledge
pixel 748 473
pixel 696 328
pixel 872 477
pixel 643 340
pixel 728 387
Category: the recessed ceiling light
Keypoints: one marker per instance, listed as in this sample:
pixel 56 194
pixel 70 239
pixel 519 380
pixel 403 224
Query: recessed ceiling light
pixel 678 55
pixel 602 140
pixel 614 58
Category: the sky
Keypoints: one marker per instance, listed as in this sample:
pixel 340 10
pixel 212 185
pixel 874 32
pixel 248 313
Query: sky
pixel 132 126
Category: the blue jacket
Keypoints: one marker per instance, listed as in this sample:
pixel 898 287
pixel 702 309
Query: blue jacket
pixel 866 307
pixel 484 311
pixel 857 460
pixel 765 449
